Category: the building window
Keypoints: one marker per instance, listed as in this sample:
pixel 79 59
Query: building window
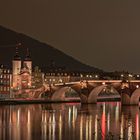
pixel 65 74
pixel 4 88
pixel 8 88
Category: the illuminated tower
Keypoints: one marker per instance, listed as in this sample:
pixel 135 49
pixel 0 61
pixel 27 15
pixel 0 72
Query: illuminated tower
pixel 28 62
pixel 28 66
pixel 16 67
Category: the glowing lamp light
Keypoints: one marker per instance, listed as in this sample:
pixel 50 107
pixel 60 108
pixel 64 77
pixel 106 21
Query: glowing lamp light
pixel 137 86
pixel 90 76
pixel 96 76
pixel 103 83
pixel 130 75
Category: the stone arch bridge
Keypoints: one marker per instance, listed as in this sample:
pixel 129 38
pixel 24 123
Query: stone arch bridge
pixel 89 90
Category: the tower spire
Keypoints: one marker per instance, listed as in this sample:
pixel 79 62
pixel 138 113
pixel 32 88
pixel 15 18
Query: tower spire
pixel 17 57
pixel 28 57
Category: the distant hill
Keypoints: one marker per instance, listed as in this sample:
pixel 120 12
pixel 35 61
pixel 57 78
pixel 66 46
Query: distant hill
pixel 42 54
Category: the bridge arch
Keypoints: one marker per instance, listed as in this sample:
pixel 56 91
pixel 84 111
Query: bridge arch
pixel 59 95
pixel 96 91
pixel 91 97
pixel 94 94
pixel 135 97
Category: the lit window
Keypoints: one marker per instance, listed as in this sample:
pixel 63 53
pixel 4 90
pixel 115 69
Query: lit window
pixel 65 74
pixel 4 88
pixel 8 88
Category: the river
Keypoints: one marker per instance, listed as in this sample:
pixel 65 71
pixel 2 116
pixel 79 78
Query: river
pixel 70 121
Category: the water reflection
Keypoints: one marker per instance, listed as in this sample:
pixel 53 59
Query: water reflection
pixel 69 121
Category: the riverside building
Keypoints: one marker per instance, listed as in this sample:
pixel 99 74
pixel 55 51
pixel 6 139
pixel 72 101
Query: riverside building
pixel 5 82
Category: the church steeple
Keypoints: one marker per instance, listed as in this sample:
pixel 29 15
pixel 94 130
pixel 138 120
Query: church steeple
pixel 27 61
pixel 17 57
pixel 28 56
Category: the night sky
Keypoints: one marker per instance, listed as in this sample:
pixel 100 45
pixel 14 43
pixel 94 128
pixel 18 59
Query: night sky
pixel 101 33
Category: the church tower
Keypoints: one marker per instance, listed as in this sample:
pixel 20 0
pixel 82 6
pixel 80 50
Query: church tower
pixel 28 62
pixel 27 66
pixel 16 67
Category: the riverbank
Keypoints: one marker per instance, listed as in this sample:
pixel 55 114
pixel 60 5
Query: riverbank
pixel 33 101
pixel 45 101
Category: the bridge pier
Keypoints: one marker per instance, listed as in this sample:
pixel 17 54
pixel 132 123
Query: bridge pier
pixel 84 94
pixel 129 100
pixel 130 96
pixel 125 99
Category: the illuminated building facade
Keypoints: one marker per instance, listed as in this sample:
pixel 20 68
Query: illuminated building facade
pixel 37 77
pixel 54 77
pixel 22 72
pixel 5 82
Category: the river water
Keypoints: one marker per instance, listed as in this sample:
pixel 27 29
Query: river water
pixel 69 121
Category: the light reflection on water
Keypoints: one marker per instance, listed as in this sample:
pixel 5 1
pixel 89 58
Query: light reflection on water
pixel 69 122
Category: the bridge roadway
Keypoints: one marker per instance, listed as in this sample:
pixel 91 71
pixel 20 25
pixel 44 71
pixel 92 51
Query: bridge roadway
pixel 97 81
pixel 89 90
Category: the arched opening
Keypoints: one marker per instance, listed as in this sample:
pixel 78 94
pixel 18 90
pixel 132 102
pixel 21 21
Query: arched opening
pixel 109 93
pixel 59 95
pixel 65 94
pixel 103 93
pixel 72 95
pixel 94 94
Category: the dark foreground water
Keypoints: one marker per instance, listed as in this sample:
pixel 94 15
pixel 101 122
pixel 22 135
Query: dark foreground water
pixel 69 121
